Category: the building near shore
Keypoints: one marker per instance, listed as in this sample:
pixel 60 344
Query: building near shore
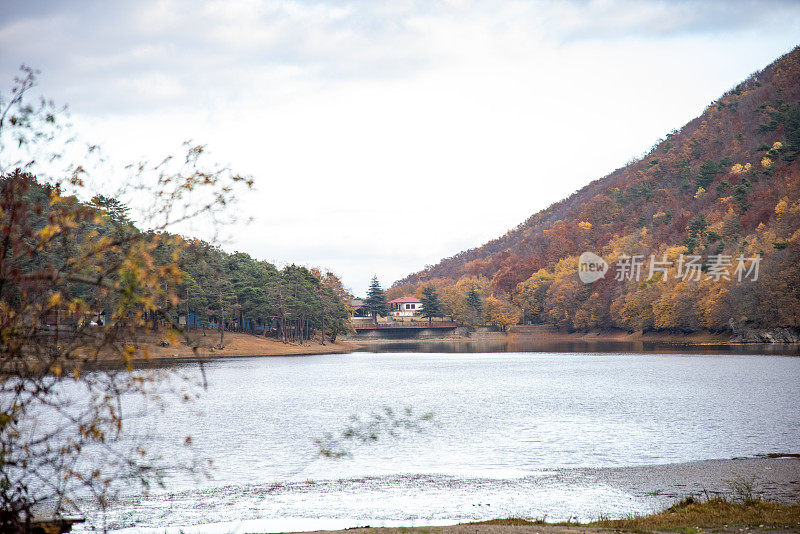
pixel 404 306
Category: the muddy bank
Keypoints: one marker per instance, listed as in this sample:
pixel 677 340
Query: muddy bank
pixel 155 347
pixel 413 501
pixel 774 479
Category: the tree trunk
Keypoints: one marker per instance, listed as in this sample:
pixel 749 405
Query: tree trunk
pixel 221 320
pixel 322 330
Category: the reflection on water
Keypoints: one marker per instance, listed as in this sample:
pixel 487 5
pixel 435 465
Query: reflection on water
pixel 515 345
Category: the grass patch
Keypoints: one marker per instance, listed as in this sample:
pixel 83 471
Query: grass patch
pixel 715 512
pixel 690 514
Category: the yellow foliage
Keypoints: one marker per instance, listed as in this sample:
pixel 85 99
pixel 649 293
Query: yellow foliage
pixel 712 306
pixel 566 266
pixel 454 302
pixel 766 162
pixel 501 312
pixel 592 314
pixel 674 252
pixel 634 310
pixel 585 225
pixel 782 206
pixel 55 300
pixel 529 294
pixel 700 192
pixel 49 231
pixel 454 299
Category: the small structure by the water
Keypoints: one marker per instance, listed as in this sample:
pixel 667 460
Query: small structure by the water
pixel 404 306
pixel 359 308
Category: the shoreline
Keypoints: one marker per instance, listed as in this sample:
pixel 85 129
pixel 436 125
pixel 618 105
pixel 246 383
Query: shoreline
pixel 236 345
pixel 665 340
pixel 641 491
pixel 247 345
pixel 775 480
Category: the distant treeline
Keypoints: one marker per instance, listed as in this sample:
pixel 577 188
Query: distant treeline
pixel 230 291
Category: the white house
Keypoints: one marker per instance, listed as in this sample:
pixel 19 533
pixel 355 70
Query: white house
pixel 404 306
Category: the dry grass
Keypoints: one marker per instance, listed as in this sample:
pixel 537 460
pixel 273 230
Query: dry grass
pixel 689 516
pixel 510 521
pixel 691 513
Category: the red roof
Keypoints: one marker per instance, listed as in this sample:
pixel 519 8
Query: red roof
pixel 403 300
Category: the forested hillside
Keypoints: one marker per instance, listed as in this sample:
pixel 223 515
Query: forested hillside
pixel 725 187
pixel 46 232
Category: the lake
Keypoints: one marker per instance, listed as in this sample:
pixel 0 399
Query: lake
pixel 515 434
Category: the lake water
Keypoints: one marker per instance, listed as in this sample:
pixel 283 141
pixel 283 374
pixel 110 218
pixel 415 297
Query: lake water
pixel 515 434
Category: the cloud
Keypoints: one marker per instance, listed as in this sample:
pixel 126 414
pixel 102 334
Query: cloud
pixel 614 20
pixel 210 45
pixel 97 48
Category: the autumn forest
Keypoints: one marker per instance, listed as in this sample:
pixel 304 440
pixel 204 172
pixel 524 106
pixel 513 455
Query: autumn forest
pixel 723 188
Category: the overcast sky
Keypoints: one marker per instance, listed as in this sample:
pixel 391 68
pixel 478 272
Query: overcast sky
pixel 384 136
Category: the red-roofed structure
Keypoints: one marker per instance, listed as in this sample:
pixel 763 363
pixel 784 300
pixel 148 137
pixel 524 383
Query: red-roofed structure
pixel 405 306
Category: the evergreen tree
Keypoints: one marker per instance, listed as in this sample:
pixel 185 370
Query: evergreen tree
pixel 376 300
pixel 474 305
pixel 474 299
pixel 115 210
pixel 708 171
pixel 431 306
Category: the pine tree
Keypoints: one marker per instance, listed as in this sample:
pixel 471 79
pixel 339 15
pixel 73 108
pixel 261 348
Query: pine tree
pixel 474 299
pixel 376 300
pixel 431 306
pixel 474 305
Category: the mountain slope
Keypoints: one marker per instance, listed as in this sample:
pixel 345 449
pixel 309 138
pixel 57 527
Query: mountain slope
pixel 727 183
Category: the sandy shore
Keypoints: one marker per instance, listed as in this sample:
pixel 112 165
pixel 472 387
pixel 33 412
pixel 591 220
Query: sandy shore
pixel 235 345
